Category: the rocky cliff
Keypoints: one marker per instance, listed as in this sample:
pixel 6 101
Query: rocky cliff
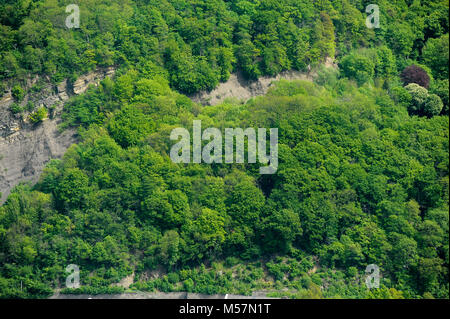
pixel 25 147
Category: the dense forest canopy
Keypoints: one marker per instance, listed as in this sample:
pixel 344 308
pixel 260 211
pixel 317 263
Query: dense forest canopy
pixel 363 151
pixel 200 42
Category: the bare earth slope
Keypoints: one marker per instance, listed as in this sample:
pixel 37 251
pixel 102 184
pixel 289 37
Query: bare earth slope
pixel 241 89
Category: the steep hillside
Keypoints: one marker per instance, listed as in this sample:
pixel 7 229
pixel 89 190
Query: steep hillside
pixel 362 168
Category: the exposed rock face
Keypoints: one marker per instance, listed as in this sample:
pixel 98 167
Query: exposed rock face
pixel 239 88
pixel 26 148
pixel 83 82
pixel 24 153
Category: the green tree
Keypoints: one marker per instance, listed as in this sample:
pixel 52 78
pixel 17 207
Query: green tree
pixel 170 248
pixel 357 67
pixel 433 105
pixel 435 55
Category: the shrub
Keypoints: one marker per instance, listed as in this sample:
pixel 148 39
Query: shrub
pixel 18 93
pixel 15 108
pixel 30 106
pixel 38 86
pixel 231 261
pixel 440 88
pixel 386 64
pixel 401 95
pixel 415 74
pixel 305 281
pixel 173 277
pixel 188 285
pixel 435 55
pixel 433 105
pixel 418 97
pixel 423 103
pixel 352 272
pixel 327 77
pixel 38 115
pixel 275 270
pixel 358 67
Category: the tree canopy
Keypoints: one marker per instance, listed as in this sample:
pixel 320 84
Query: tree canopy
pixel 363 175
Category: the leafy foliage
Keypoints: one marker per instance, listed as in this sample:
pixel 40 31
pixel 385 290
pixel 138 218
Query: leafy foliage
pixel 200 43
pixel 113 208
pixel 39 115
pixel 415 74
pixel 363 160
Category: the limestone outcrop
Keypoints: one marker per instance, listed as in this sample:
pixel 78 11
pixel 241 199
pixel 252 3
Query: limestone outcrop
pixel 25 148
